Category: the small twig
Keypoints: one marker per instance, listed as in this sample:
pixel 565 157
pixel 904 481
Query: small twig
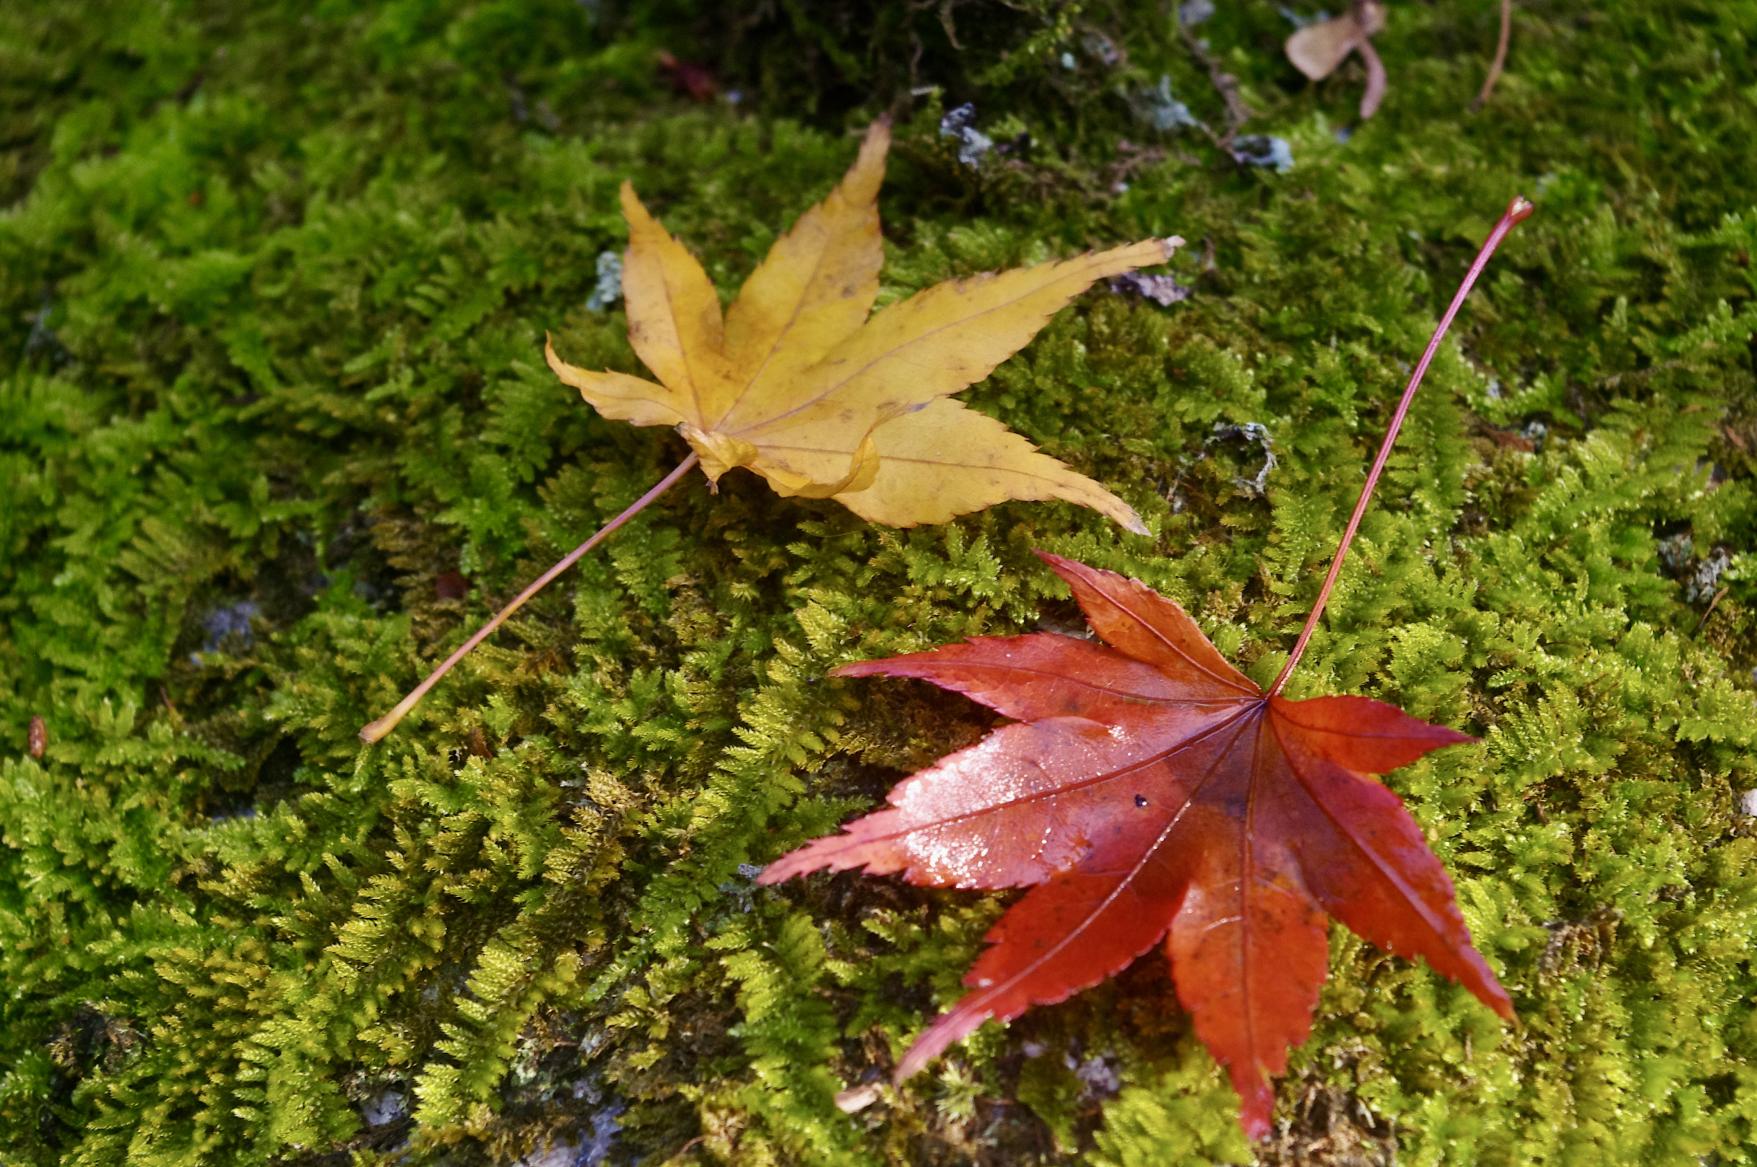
pixel 1495 66
pixel 1237 112
pixel 1130 158
pixel 1712 604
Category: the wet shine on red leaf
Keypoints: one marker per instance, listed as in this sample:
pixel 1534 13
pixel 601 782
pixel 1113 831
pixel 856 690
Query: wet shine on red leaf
pixel 1148 791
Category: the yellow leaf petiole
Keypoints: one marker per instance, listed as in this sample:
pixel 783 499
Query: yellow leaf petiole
pixel 378 729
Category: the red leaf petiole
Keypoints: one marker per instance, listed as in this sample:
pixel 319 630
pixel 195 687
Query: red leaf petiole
pixel 1517 211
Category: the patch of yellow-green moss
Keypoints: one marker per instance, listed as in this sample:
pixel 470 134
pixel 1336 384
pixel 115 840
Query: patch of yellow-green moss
pixel 271 395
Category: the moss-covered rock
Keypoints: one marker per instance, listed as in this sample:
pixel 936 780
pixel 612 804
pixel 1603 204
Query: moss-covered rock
pixel 276 432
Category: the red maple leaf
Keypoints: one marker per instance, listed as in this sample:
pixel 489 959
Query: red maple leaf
pixel 1149 791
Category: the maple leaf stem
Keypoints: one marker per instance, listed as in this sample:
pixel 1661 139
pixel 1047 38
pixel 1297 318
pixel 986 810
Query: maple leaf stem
pixel 1517 211
pixel 378 729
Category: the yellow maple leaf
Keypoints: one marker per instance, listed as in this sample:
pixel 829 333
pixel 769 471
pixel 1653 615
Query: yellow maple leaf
pixel 798 385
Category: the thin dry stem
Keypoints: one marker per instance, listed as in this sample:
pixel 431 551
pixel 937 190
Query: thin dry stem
pixel 1500 61
pixel 1237 112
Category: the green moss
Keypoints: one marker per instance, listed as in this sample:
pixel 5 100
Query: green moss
pixel 275 284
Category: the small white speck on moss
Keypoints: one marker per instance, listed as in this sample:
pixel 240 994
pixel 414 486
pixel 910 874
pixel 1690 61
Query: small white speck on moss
pixel 608 289
pixel 386 1107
